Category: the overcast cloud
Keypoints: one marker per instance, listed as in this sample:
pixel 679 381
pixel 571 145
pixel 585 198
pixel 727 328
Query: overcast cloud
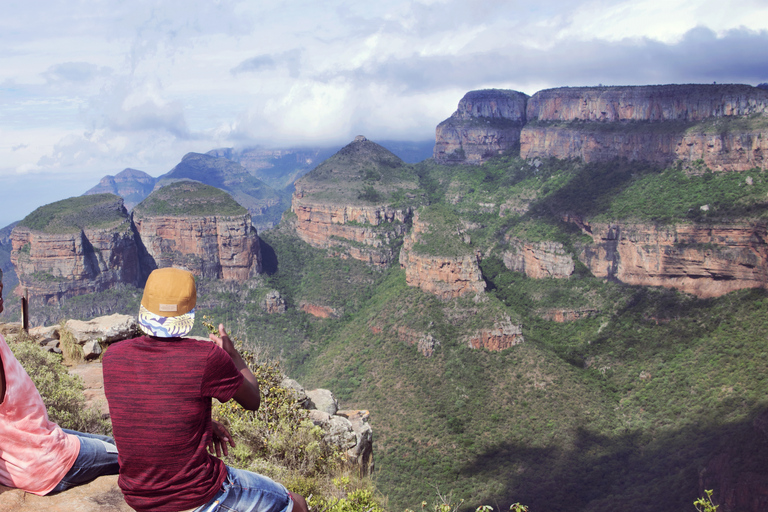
pixel 89 88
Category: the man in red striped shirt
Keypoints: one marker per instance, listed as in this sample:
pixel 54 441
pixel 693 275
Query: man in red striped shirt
pixel 159 388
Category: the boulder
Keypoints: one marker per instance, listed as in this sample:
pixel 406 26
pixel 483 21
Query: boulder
pixel 101 495
pixel 298 390
pixel 362 453
pixel 322 400
pixel 91 350
pixel 105 328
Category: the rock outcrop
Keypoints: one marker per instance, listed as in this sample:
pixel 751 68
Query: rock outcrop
pixel 538 259
pixel 486 123
pixel 101 495
pixel 345 204
pixel 447 277
pixel 90 244
pixel 725 126
pixel 503 335
pixel 706 261
pixel 74 247
pixel 220 247
pixel 363 233
pixel 200 228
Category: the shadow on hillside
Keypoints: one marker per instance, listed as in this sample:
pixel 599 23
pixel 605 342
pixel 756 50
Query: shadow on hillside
pixel 592 189
pixel 634 474
pixel 268 258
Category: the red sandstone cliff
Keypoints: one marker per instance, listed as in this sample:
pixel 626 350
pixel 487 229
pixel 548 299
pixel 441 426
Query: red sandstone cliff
pixel 706 261
pixel 444 276
pixel 345 204
pixel 57 263
pixel 689 102
pixel 725 126
pixel 219 247
pixel 486 123
pixel 365 233
pixel 538 259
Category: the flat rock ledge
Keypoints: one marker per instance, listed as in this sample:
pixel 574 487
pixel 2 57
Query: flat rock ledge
pixel 101 495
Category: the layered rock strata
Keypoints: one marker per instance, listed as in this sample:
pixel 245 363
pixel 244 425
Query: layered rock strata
pixel 660 123
pixel 503 335
pixel 707 261
pixel 724 126
pixel 486 123
pixel 365 233
pixel 560 315
pixel 447 277
pixel 220 247
pixel 538 259
pixel 52 266
pixel 345 203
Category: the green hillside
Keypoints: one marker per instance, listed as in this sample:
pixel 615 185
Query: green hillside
pixel 622 409
pixel 99 211
pixel 189 198
pixel 361 173
pixel 264 203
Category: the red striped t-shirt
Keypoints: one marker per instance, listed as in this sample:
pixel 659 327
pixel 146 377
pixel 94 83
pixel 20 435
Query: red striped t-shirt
pixel 159 393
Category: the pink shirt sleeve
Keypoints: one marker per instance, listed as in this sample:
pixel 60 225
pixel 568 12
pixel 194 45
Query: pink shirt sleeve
pixel 35 454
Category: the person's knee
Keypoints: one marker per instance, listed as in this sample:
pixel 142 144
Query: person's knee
pixel 299 503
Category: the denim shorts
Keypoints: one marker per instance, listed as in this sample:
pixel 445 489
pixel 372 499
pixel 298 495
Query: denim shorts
pixel 97 457
pixel 243 491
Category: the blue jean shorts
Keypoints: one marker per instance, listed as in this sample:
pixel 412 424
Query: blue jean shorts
pixel 97 457
pixel 243 491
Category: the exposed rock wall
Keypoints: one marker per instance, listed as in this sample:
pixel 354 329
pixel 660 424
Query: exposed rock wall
pixel 209 246
pixel 726 151
pixel 707 261
pixel 365 233
pixel 486 123
pixel 52 266
pixel 503 335
pixel 688 102
pixel 539 259
pixel 447 277
pixel 659 123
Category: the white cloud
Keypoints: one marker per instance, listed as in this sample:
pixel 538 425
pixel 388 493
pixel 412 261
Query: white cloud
pixel 89 88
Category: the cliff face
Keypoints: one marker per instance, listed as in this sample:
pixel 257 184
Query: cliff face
pixel 447 277
pixel 691 102
pixel 503 335
pixel 486 124
pixel 365 233
pixel 219 247
pixel 345 204
pixel 52 266
pixel 726 126
pixel 706 261
pixel 90 243
pixel 538 259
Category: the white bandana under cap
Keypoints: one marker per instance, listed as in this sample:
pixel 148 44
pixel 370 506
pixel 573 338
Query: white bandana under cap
pixel 166 326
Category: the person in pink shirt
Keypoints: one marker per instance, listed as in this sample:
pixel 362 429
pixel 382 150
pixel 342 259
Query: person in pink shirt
pixel 36 455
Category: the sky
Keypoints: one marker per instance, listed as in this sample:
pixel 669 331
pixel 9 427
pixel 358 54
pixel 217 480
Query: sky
pixel 91 87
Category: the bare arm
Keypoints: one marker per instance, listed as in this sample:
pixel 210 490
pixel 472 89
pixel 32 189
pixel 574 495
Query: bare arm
pixel 247 394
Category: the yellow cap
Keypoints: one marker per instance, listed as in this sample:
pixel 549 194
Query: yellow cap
pixel 170 292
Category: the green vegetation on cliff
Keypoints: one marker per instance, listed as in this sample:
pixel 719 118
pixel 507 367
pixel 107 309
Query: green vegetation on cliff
pixel 361 173
pixel 99 211
pixel 623 408
pixel 189 199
